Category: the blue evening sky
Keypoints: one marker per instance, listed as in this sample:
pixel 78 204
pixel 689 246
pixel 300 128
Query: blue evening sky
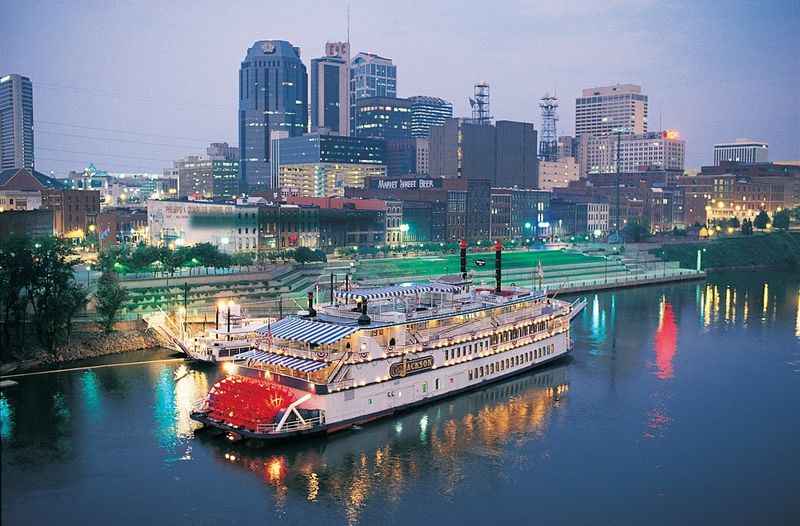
pixel 131 86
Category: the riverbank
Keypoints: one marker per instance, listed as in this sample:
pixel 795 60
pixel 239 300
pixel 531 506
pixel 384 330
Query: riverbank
pixel 83 345
pixel 773 250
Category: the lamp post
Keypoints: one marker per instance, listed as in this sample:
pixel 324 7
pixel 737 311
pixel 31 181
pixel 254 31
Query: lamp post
pixel 88 275
pixel 404 228
pixel 230 302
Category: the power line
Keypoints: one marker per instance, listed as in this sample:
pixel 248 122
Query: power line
pixel 124 96
pixel 73 162
pixel 116 130
pixel 129 141
pixel 97 154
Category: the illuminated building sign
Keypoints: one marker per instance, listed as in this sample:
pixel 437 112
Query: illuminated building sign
pixel 400 369
pixel 404 184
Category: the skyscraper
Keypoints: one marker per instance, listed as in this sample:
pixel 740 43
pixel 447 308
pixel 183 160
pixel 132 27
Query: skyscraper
pixel 603 110
pixel 370 76
pixel 741 151
pixel 16 122
pixel 427 112
pixel 273 98
pixel 330 89
pixel 503 153
pixel 383 118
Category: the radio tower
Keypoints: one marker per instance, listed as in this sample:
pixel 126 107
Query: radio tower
pixel 480 104
pixel 548 145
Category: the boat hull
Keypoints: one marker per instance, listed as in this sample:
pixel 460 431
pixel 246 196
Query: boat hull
pixel 333 427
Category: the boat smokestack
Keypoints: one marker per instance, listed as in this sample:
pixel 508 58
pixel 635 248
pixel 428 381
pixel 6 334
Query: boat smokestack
pixel 364 319
pixel 463 246
pixel 498 270
pixel 311 311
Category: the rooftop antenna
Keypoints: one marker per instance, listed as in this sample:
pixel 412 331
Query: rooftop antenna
pixel 348 25
pixel 480 104
pixel 548 146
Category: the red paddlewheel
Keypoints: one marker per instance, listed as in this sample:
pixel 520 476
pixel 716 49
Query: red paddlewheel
pixel 247 402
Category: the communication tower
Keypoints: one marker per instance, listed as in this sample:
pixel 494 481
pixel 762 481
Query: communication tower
pixel 480 104
pixel 548 145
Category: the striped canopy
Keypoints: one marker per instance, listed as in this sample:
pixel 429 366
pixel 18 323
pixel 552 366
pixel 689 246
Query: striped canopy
pixel 307 331
pixel 395 291
pixel 303 365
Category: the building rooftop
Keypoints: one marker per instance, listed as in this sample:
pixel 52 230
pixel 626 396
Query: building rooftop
pixel 26 179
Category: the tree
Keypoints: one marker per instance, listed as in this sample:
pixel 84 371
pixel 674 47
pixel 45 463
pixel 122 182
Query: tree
pixel 761 220
pixel 781 220
pixel 303 255
pixel 15 273
pixel 747 227
pixel 636 230
pixel 53 294
pixel 111 296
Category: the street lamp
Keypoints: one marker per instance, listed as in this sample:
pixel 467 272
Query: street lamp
pixel 404 228
pixel 88 275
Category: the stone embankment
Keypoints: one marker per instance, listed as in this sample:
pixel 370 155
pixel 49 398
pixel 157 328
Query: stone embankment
pixel 94 344
pixel 86 343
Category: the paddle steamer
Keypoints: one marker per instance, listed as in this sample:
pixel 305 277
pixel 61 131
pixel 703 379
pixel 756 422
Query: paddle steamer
pixel 372 352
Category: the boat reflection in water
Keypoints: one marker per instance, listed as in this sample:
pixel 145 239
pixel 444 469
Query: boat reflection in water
pixel 387 457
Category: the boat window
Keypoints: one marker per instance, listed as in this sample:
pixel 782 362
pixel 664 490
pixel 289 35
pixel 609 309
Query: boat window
pixel 437 383
pixel 470 374
pixel 481 371
pixel 392 342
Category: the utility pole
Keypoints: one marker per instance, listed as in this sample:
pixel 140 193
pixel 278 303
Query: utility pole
pixel 185 306
pixel 619 179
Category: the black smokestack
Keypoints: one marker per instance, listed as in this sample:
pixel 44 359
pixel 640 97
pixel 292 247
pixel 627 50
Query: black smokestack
pixel 463 246
pixel 498 270
pixel 311 311
pixel 364 319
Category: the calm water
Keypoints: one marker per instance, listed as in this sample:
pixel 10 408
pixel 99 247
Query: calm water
pixel 679 405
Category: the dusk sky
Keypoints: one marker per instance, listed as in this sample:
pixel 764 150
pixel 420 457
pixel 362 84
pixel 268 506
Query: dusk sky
pixel 132 86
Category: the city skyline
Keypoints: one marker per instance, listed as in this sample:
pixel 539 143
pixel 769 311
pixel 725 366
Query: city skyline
pixel 135 103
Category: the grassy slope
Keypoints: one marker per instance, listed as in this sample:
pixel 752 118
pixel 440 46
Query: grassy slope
pixel 776 249
pixel 450 264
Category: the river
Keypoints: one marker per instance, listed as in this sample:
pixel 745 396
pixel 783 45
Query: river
pixel 678 405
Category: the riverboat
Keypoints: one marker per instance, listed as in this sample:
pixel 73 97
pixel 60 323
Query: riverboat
pixel 372 352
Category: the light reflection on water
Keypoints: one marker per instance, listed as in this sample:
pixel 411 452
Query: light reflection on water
pixel 637 386
pixel 441 439
pixel 6 418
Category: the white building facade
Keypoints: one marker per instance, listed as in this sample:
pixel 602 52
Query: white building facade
pixel 231 228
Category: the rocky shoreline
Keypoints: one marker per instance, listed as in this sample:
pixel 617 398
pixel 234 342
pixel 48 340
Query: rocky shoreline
pixel 88 344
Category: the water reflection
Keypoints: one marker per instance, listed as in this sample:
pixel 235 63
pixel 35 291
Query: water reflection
pixel 90 395
pixel 6 418
pixel 666 340
pixel 176 390
pixel 797 323
pixel 385 459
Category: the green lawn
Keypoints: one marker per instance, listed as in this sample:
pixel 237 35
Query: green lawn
pixel 442 265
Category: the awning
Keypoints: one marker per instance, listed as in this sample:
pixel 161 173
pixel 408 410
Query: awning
pixel 307 331
pixel 395 291
pixel 303 365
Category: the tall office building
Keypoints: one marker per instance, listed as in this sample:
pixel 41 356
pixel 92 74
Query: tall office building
pixel 330 89
pixel 319 165
pixel 427 112
pixel 606 109
pixel 637 153
pixel 503 153
pixel 273 98
pixel 745 151
pixel 383 118
pixel 16 122
pixel 370 76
